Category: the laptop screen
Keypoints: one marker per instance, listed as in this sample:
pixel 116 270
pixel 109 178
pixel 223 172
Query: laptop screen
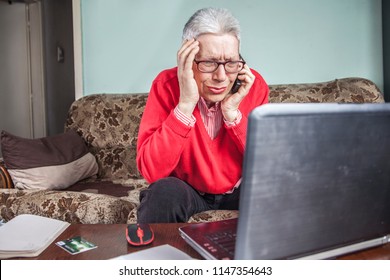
pixel 316 184
pixel 316 177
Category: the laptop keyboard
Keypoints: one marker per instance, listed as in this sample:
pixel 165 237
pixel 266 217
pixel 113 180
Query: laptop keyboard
pixel 221 243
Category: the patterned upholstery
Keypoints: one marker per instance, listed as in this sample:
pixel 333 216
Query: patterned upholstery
pixel 348 90
pixel 109 124
pixel 73 207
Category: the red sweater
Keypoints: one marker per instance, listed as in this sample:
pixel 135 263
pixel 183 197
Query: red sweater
pixel 167 147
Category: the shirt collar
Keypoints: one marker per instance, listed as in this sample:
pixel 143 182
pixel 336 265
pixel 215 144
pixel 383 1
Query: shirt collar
pixel 202 103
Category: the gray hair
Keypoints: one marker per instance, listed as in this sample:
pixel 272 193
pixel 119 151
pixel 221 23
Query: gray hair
pixel 211 20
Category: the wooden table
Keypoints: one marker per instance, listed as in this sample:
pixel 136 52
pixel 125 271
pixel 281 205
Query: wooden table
pixel 111 242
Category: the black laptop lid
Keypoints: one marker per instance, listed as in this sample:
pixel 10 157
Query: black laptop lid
pixel 315 177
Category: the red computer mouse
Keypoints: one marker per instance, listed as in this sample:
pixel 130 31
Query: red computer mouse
pixel 139 234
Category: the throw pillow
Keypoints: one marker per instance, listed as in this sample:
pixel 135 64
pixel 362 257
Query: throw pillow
pixel 53 162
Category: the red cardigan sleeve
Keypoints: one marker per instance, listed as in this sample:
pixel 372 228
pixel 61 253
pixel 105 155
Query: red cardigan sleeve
pixel 160 132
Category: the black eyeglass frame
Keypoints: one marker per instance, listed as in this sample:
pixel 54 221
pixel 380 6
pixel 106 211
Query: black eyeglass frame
pixel 220 63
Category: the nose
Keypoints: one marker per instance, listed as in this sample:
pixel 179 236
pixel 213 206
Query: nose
pixel 219 74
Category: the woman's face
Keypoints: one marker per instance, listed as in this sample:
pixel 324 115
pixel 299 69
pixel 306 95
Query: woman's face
pixel 214 87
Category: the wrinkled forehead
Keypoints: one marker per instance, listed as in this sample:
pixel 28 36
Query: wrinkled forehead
pixel 214 46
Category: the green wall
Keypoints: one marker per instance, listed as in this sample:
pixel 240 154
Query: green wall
pixel 126 43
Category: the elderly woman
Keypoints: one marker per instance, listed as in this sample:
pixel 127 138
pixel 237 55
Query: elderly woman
pixel 192 134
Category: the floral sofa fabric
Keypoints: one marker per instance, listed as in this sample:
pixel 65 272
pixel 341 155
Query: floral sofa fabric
pixel 109 125
pixel 110 130
pixel 347 90
pixel 73 207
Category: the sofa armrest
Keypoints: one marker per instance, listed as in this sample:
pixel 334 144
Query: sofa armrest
pixel 5 178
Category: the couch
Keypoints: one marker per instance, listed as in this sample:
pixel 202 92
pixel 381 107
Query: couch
pixel 109 125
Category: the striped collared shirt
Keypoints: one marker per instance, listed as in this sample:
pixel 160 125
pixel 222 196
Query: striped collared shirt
pixel 212 118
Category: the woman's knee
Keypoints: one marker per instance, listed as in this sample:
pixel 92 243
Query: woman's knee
pixel 167 189
pixel 166 200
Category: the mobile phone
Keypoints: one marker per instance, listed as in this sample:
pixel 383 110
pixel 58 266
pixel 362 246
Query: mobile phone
pixel 236 85
pixel 237 82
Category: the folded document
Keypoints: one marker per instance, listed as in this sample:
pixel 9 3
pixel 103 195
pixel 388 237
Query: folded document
pixel 28 235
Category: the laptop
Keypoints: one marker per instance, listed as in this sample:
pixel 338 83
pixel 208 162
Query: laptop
pixel 316 184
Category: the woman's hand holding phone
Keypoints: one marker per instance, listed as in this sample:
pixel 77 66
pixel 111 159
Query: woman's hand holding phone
pixel 232 101
pixel 247 79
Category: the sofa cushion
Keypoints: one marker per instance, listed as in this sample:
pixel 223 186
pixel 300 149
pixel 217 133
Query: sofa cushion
pixel 54 162
pixel 72 207
pixel 109 125
pixel 120 188
pixel 213 215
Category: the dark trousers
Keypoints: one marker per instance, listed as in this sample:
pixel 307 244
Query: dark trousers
pixel 171 200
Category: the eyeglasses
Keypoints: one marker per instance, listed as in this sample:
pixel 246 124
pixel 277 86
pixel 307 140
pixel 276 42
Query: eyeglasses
pixel 230 67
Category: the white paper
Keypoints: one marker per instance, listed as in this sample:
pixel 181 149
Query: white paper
pixel 163 252
pixel 28 235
